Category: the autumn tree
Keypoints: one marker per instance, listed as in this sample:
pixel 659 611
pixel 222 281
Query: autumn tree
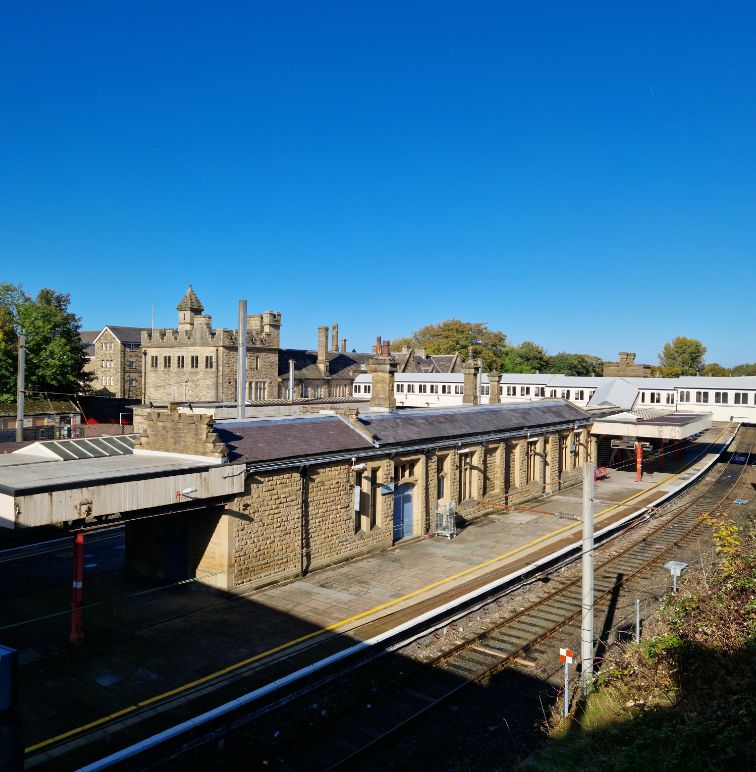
pixel 457 337
pixel 682 356
pixel 574 364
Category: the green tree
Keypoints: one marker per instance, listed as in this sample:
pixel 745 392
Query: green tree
pixel 682 356
pixel 55 355
pixel 12 296
pixel 457 337
pixel 528 357
pixel 744 369
pixel 714 369
pixel 574 364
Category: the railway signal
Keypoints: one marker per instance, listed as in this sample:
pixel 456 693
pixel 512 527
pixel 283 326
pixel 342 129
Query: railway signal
pixel 566 655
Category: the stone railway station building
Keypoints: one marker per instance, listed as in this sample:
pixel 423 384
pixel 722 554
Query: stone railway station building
pixel 322 489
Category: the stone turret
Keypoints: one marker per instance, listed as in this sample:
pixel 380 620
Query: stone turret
pixel 189 307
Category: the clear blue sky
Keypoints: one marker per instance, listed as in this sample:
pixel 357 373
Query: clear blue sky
pixel 579 174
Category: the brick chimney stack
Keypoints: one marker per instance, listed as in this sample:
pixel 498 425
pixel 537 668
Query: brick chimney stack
pixel 386 348
pixel 378 348
pixel 323 350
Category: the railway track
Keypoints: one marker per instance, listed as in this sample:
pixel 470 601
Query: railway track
pixel 421 687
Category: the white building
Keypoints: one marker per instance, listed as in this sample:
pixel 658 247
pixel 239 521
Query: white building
pixel 725 398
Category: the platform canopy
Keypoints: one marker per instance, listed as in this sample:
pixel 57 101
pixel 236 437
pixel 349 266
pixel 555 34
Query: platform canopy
pixel 674 426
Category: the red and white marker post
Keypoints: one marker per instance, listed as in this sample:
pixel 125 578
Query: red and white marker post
pixel 566 655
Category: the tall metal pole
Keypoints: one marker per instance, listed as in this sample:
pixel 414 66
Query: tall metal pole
pixel 20 388
pixel 586 627
pixel 291 380
pixel 241 366
pixel 637 620
pixel 566 711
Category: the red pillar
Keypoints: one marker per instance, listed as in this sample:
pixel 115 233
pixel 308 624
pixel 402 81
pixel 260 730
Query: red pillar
pixel 638 461
pixel 661 455
pixel 77 630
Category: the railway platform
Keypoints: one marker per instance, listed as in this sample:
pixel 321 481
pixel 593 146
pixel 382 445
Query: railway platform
pixel 163 656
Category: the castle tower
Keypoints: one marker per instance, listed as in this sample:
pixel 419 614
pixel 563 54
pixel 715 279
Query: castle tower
pixel 188 307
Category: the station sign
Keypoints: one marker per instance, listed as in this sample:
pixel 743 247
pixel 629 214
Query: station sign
pixel 630 445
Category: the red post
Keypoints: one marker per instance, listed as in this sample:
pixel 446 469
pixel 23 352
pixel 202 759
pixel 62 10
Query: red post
pixel 638 461
pixel 661 455
pixel 77 630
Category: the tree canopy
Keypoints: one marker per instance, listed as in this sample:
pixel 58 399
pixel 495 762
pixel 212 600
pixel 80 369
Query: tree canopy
pixel 55 355
pixel 682 356
pixel 456 337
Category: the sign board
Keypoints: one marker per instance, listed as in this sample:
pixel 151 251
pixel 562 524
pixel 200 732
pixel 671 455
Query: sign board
pixel 630 445
pixel 675 567
pixel 566 655
pixel 387 488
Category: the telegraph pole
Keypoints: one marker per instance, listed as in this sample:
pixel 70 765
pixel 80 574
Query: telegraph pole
pixel 20 388
pixel 586 627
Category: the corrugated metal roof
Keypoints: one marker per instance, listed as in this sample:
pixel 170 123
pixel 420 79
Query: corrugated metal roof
pixel 52 475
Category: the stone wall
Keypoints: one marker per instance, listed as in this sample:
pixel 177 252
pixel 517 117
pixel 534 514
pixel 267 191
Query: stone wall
pixel 287 522
pixel 172 432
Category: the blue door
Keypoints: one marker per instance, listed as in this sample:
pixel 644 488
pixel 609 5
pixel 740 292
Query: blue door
pixel 402 511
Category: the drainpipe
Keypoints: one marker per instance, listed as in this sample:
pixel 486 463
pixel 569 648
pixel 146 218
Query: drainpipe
pixel 302 514
pixel 291 380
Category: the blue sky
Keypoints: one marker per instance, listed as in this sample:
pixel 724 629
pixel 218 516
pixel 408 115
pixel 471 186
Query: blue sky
pixel 578 174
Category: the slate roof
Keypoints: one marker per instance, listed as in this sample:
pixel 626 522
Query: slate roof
pixel 340 364
pixel 288 438
pixel 426 424
pixel 127 334
pixel 446 363
pixel 190 302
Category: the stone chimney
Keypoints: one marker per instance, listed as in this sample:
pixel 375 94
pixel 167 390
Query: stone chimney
pixel 494 390
pixel 626 358
pixel 335 336
pixel 343 345
pixel 382 370
pixel 323 350
pixel 470 371
pixel 421 352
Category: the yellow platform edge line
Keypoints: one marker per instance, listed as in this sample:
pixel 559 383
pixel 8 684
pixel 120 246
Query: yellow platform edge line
pixel 335 625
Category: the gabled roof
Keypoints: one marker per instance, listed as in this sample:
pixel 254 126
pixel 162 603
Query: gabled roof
pixel 122 334
pixel 190 302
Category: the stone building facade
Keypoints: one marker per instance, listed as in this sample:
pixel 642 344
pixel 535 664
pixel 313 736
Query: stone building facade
pixel 322 489
pixel 115 360
pixel 195 362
